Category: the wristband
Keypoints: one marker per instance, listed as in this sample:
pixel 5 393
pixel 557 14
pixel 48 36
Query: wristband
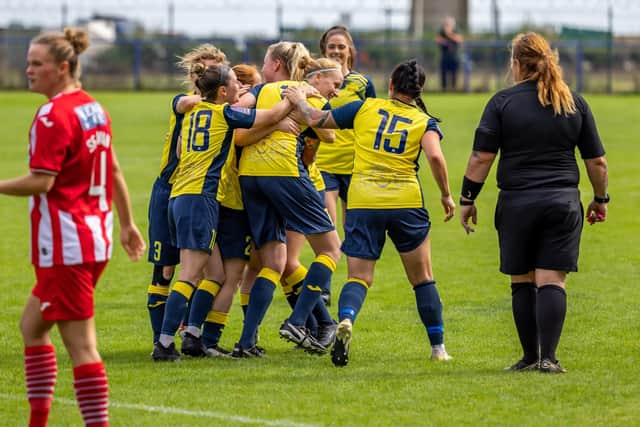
pixel 471 189
pixel 602 200
pixel 466 202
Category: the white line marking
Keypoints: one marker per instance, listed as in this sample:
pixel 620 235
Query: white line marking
pixel 180 411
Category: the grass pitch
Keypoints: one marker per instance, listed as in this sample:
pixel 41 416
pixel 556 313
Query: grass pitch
pixel 389 379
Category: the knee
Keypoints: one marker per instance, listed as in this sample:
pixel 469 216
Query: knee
pixel 83 353
pixel 162 275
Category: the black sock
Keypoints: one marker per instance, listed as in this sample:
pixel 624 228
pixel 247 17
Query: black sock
pixel 550 311
pixel 523 305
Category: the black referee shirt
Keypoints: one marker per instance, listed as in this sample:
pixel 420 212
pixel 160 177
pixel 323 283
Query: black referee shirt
pixel 537 148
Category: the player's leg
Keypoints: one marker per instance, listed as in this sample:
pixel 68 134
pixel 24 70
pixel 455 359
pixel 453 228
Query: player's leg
pixel 202 303
pixel 350 302
pixel 39 361
pixel 216 319
pixel 409 231
pixel 162 254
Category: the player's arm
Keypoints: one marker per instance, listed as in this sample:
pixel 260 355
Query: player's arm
pixel 130 236
pixel 35 183
pixel 311 116
pixel 325 135
pixel 248 100
pixel 431 145
pixel 187 102
pixel 272 115
pixel 599 178
pixel 245 137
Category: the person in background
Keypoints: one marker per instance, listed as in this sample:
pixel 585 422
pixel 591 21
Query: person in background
pixel 536 126
pixel 449 41
pixel 74 175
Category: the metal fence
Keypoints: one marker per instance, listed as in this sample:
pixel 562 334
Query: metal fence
pixel 598 66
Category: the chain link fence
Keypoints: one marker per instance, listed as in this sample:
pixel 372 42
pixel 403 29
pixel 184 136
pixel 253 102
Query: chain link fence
pixel 598 66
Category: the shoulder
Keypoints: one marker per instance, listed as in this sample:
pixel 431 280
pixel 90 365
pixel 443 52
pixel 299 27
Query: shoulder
pixel 356 78
pixel 581 104
pixel 255 91
pixel 75 107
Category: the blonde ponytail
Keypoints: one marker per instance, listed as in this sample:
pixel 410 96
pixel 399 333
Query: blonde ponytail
pixel 539 63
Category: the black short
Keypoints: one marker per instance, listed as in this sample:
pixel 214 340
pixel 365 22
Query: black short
pixel 539 229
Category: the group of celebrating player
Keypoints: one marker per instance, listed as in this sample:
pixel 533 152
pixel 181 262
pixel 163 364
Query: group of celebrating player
pixel 250 169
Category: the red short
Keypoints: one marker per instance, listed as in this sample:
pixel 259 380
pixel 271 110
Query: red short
pixel 66 291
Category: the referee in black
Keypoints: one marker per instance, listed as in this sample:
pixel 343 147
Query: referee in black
pixel 536 125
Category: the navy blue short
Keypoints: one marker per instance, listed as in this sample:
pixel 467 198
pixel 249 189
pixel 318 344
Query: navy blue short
pixel 234 234
pixel 365 229
pixel 161 249
pixel 193 219
pixel 539 229
pixel 277 203
pixel 336 181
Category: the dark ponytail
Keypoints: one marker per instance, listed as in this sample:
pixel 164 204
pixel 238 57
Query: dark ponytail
pixel 408 78
pixel 209 79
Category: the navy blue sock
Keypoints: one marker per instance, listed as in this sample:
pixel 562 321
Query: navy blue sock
pixel 261 297
pixel 317 279
pixel 156 303
pixel 351 299
pixel 212 328
pixel 430 310
pixel 321 314
pixel 202 301
pixel 176 306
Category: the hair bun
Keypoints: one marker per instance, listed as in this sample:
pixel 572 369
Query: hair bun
pixel 78 38
pixel 198 68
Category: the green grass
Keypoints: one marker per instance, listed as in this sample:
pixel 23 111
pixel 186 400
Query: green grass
pixel 389 380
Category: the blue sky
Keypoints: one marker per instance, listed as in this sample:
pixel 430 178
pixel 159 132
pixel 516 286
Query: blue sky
pixel 245 17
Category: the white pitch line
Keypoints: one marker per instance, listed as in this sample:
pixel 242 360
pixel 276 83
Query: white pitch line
pixel 180 411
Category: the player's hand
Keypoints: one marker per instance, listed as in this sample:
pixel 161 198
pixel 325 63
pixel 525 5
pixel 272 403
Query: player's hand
pixel 449 207
pixel 132 242
pixel 309 91
pixel 244 88
pixel 596 212
pixel 467 212
pixel 294 94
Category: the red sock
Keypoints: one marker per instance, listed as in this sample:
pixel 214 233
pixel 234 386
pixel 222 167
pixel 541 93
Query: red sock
pixel 92 392
pixel 40 371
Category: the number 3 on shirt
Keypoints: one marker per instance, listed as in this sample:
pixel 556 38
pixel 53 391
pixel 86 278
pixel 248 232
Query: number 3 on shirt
pixel 391 130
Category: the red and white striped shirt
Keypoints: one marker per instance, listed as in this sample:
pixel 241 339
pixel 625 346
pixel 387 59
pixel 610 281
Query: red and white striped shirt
pixel 72 224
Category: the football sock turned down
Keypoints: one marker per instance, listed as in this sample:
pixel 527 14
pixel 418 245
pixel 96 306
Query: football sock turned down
pixel 175 310
pixel 212 328
pixel 318 279
pixel 201 304
pixel 351 299
pixel 261 297
pixel 430 310
pixel 156 303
